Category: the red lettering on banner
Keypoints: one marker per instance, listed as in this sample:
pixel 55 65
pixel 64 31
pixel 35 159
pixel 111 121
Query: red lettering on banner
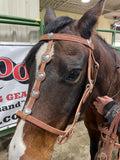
pixel 18 95
pixel 1 99
pixel 9 97
pixel 17 75
pixel 8 67
pixel 23 94
pixel 17 71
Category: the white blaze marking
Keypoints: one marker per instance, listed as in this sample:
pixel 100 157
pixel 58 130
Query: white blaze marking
pixel 17 146
pixel 40 52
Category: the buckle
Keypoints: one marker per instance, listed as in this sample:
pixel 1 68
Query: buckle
pixel 63 138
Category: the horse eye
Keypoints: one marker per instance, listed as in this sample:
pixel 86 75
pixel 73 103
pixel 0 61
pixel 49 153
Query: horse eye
pixel 73 75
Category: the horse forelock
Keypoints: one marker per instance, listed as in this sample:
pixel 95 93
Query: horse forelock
pixel 58 24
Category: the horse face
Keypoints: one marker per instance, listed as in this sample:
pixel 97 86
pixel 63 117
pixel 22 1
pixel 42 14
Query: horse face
pixel 64 84
pixel 62 89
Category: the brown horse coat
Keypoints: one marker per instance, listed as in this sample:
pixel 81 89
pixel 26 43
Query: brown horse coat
pixel 59 96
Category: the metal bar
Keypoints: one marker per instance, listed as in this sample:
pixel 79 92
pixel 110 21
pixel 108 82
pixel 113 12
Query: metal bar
pixel 7 131
pixel 41 28
pixel 19 18
pixel 118 49
pixel 110 31
pixel 106 30
pixel 20 23
pixel 113 38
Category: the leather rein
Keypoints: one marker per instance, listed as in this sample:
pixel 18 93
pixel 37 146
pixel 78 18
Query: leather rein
pixel 40 76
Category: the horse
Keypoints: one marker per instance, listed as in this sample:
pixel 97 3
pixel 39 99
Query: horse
pixel 65 83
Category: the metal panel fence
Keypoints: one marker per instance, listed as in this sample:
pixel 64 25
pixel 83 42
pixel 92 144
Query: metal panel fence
pixel 22 21
pixel 113 32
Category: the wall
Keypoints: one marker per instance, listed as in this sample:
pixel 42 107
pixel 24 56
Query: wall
pixel 30 9
pixel 104 23
pixel 21 8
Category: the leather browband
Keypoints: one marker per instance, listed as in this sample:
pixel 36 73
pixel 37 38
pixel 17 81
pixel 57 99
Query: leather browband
pixel 25 114
pixel 68 37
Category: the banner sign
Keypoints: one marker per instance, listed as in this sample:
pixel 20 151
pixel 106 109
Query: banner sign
pixel 14 81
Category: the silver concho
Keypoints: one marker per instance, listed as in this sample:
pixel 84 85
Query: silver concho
pixel 45 57
pixel 34 94
pixel 49 35
pixel 88 41
pixel 77 116
pixel 27 111
pixel 40 76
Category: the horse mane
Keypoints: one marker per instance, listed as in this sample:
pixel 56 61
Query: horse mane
pixel 54 27
pixel 111 50
pixel 104 41
pixel 106 44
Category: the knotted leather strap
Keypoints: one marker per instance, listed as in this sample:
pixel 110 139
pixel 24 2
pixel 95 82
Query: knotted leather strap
pixel 109 138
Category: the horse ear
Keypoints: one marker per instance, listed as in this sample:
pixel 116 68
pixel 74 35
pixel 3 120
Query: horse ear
pixel 49 16
pixel 89 20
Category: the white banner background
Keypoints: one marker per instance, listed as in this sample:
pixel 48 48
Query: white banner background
pixel 12 92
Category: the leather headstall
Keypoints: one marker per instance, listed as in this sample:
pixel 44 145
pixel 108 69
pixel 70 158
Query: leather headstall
pixel 40 76
pixel 108 139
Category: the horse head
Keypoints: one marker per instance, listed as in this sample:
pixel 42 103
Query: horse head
pixel 62 87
